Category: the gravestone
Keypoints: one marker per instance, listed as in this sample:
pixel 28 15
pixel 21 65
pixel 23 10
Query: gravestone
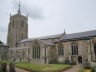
pixel 86 65
pixel 0 67
pixel 4 67
pixel 12 67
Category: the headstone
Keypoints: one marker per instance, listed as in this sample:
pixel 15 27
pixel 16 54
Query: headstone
pixel 86 65
pixel 1 67
pixel 4 67
pixel 12 67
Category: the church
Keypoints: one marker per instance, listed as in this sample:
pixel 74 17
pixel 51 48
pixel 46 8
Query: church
pixel 61 48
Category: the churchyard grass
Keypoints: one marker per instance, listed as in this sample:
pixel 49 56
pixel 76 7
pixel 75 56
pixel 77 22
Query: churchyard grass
pixel 5 61
pixel 43 67
pixel 40 67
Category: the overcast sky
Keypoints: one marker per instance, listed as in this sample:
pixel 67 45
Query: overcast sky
pixel 48 17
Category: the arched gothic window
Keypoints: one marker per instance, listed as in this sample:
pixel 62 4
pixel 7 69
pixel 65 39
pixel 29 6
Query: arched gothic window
pixel 36 51
pixel 60 50
pixel 74 47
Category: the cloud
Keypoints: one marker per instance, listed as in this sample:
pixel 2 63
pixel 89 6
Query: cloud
pixel 35 13
pixel 32 11
pixel 3 29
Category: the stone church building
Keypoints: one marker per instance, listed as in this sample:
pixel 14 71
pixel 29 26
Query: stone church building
pixel 60 48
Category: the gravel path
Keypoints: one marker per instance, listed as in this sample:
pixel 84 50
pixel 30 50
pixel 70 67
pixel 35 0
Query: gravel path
pixel 20 70
pixel 75 68
pixel 17 69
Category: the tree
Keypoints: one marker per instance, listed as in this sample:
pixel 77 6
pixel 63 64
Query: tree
pixel 1 42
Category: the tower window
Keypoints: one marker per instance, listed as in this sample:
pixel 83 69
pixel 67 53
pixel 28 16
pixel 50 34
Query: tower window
pixel 22 24
pixel 22 37
pixel 13 24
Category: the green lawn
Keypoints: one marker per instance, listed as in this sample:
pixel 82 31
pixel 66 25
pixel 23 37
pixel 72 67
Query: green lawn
pixel 5 61
pixel 43 67
pixel 40 67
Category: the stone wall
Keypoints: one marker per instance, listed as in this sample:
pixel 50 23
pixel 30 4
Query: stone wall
pixel 83 50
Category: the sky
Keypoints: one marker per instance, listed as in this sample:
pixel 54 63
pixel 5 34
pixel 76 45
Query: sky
pixel 49 17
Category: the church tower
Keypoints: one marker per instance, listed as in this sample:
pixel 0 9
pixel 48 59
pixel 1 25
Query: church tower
pixel 17 29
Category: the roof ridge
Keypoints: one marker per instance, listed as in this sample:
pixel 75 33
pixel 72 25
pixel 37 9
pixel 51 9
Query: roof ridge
pixel 82 32
pixel 43 37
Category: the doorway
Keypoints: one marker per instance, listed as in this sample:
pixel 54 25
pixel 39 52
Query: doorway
pixel 95 49
pixel 79 60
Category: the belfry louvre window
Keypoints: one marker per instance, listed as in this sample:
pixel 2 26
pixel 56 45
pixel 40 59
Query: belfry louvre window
pixel 22 24
pixel 36 52
pixel 60 50
pixel 13 24
pixel 74 49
